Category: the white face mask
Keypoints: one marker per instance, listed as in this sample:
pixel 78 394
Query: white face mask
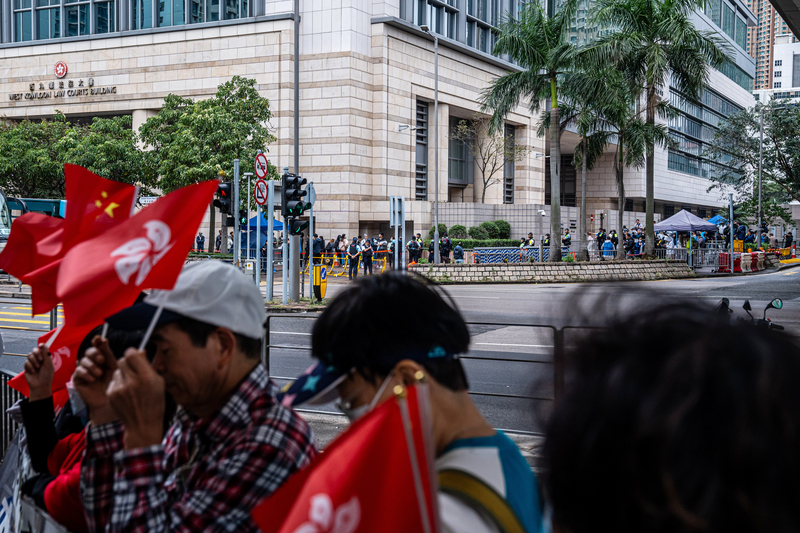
pixel 354 414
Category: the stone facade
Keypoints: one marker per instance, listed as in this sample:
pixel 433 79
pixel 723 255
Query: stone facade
pixel 556 272
pixel 364 67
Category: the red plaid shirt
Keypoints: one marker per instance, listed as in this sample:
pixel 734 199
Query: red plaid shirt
pixel 207 475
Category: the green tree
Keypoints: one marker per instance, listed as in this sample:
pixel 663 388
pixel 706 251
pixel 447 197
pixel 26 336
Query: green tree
pixel 193 141
pixel 30 164
pixel 736 148
pixel 503 227
pixel 656 43
pixel 541 46
pixel 33 154
pixel 108 148
pixel 620 121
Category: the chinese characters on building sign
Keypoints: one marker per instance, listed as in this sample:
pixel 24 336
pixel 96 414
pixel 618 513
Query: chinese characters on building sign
pixel 62 88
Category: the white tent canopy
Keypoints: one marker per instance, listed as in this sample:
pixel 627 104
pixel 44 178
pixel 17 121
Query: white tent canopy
pixel 685 221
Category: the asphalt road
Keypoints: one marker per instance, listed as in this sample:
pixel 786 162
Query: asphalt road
pixel 510 362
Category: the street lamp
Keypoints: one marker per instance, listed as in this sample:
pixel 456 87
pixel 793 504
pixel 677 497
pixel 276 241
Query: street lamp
pixel 427 30
pixel 760 158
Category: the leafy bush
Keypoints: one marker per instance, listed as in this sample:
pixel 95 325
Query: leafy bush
pixel 491 229
pixel 569 259
pixel 470 244
pixel 478 233
pixel 504 229
pixel 442 231
pixel 458 232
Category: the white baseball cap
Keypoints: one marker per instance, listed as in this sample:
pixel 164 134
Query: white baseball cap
pixel 210 291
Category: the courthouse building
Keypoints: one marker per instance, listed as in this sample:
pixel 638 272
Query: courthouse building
pixel 365 70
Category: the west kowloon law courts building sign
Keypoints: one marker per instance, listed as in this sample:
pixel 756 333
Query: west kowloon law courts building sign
pixel 61 88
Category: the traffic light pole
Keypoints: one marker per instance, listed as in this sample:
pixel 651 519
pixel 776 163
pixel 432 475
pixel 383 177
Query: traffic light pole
pixel 730 226
pixel 294 266
pixel 285 261
pixel 237 238
pixel 249 174
pixel 311 249
pixel 257 269
pixel 270 229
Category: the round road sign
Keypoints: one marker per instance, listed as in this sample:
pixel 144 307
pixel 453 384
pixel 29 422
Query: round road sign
pixel 260 192
pixel 262 167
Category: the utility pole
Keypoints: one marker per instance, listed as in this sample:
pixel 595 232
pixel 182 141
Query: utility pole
pixel 237 238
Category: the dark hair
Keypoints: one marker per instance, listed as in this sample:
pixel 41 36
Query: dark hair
pixel 198 333
pixel 676 421
pixel 379 318
pixel 118 341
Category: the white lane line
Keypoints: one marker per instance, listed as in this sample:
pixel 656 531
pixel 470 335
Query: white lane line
pixel 520 345
pixel 478 297
pixel 289 333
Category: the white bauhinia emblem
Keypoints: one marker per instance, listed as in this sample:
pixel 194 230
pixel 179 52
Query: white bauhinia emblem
pixel 143 253
pixel 59 355
pixel 322 518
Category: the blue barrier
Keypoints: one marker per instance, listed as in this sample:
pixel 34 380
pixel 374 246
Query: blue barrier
pixel 513 255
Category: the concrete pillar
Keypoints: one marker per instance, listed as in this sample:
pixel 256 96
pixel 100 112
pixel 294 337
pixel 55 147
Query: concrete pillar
pixel 140 116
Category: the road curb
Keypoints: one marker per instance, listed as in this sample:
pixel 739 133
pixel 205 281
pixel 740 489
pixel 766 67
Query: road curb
pixel 20 295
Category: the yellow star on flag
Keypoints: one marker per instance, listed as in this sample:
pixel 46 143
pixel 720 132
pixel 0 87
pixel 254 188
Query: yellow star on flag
pixel 109 210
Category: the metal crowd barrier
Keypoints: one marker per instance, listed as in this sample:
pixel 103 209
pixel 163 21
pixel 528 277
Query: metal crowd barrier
pixel 527 254
pixel 8 397
pixel 557 362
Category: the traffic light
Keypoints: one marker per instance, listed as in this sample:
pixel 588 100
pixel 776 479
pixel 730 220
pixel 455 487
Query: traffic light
pixel 225 193
pixel 292 193
pixel 242 217
pixel 296 226
pixel 737 213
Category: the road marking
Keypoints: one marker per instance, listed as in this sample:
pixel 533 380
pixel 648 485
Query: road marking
pixel 25 321
pixel 29 308
pixel 289 333
pixel 24 314
pixel 789 274
pixel 478 297
pixel 520 345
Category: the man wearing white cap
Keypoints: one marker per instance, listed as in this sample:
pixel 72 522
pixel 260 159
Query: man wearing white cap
pixel 231 444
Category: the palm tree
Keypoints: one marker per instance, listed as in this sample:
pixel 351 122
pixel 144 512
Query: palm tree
pixel 541 46
pixel 655 41
pixel 619 120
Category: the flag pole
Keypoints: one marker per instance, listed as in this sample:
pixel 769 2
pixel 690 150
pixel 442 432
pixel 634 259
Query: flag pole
pixel 52 338
pixel 400 394
pixel 151 327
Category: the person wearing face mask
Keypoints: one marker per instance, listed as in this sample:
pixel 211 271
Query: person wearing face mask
pixel 502 493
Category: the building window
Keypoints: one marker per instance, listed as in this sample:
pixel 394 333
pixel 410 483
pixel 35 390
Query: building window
pixel 421 174
pixel 701 212
pixel 669 210
pixel 104 17
pixel 778 62
pixel 142 14
pixel 508 169
pixel 459 160
pixel 796 70
pixel 728 19
pixel 629 205
pixel 776 85
pixel 777 73
pixel 741 32
pixel 48 19
pixel 23 21
pixel 568 182
pixel 76 16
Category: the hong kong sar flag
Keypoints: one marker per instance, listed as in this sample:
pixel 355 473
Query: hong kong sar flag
pixel 103 275
pixel 377 476
pixel 64 352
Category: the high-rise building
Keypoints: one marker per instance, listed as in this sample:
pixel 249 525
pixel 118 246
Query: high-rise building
pixel 785 71
pixel 761 41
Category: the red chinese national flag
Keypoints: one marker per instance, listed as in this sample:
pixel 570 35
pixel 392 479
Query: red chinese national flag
pixel 64 352
pixel 367 480
pixel 38 242
pixel 104 275
pixel 94 205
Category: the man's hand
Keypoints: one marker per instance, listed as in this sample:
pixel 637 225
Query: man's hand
pixel 39 373
pixel 91 379
pixel 137 395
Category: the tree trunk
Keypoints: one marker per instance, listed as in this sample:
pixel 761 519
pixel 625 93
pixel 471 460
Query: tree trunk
pixel 212 234
pixel 584 250
pixel 620 168
pixel 555 187
pixel 649 216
